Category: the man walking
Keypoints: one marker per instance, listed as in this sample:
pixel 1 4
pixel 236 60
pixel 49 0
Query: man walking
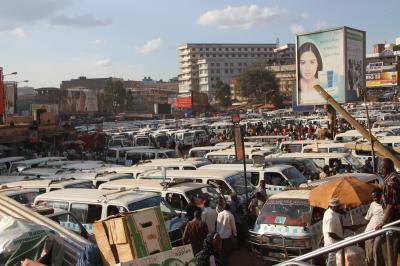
pixel 209 216
pixel 195 232
pixel 226 228
pixel 332 228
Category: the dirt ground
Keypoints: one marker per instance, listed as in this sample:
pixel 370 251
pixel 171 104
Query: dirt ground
pixel 242 256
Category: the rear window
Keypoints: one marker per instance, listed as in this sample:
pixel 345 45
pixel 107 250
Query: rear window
pixel 86 213
pixel 295 177
pixel 111 153
pixel 88 184
pixel 198 153
pixel 25 198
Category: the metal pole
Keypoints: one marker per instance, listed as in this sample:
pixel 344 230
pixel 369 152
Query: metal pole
pixel 244 168
pixel 379 147
pixel 389 252
pixel 370 132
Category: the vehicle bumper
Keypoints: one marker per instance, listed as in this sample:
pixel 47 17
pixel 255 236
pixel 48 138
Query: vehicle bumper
pixel 267 248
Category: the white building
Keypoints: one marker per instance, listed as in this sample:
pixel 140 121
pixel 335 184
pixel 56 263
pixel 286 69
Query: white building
pixel 201 65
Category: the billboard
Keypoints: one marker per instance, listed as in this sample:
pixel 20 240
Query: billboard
pixel 383 79
pixel 333 59
pixel 162 109
pixel 10 96
pixel 184 101
pixel 78 100
pixel 1 92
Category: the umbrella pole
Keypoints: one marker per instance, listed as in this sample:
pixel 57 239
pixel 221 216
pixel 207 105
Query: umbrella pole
pixel 352 222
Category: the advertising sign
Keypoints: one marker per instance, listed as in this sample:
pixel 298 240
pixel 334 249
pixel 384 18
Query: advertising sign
pixel 383 79
pixel 184 101
pixel 1 92
pixel 333 59
pixel 239 147
pixel 79 100
pixel 10 95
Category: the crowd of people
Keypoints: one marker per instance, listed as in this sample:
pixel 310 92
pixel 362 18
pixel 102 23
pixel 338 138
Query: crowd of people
pixel 384 209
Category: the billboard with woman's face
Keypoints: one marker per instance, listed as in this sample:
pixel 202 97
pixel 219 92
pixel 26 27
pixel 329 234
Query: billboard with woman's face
pixel 321 60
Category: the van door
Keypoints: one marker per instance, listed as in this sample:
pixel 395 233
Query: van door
pixel 275 182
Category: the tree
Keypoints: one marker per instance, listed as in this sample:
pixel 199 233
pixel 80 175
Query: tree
pixel 223 93
pixel 260 84
pixel 112 97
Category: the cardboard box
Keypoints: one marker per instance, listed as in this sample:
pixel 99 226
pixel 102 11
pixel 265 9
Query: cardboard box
pixel 113 239
pixel 128 236
pixel 182 255
pixel 148 232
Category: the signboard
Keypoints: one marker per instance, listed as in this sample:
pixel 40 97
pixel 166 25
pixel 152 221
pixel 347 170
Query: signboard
pixel 10 96
pixel 162 109
pixel 1 92
pixel 239 147
pixel 383 79
pixel 184 101
pixel 333 59
pixel 78 100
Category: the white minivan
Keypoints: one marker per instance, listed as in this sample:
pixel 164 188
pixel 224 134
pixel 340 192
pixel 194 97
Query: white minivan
pixel 90 205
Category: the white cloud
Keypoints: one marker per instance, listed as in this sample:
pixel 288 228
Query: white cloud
pixel 103 62
pixel 321 25
pixel 18 32
pixel 297 28
pixel 239 17
pixel 100 41
pixel 150 46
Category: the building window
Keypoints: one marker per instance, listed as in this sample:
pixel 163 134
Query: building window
pixel 231 70
pixel 239 64
pixel 200 49
pixel 239 49
pixel 227 55
pixel 212 71
pixel 220 55
pixel 244 64
pixel 231 64
pixel 265 49
pixel 214 55
pixel 245 55
pixel 219 49
pixel 258 49
pixel 245 49
pixel 233 55
pixel 207 49
pixel 217 71
pixel 212 64
pixel 226 71
pixel 239 55
pixel 217 64
pixel 214 49
pixel 252 49
pixel 233 49
pixel 226 64
pixel 252 55
pixel 226 49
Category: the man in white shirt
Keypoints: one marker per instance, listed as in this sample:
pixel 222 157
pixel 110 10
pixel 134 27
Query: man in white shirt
pixel 209 216
pixel 226 228
pixel 332 228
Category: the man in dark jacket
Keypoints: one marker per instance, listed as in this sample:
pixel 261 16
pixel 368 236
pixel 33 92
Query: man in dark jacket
pixel 195 232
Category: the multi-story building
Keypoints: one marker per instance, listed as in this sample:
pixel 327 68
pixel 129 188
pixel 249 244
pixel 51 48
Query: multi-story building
pixel 286 76
pixel 382 71
pixel 202 65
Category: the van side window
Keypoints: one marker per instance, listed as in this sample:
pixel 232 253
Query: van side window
pixel 112 210
pixel 317 215
pixel 57 205
pixel 320 162
pixel 86 213
pixel 178 202
pixel 188 168
pixel 275 179
pixel 254 177
pixel 221 185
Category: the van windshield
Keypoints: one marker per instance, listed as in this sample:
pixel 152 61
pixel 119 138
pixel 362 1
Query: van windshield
pixel 295 177
pixel 142 142
pixel 166 209
pixel 204 193
pixel 238 184
pixel 284 212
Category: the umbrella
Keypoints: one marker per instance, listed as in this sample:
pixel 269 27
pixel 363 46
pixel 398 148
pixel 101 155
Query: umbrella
pixel 79 142
pixel 349 190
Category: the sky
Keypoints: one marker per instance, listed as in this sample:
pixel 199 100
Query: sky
pixel 47 41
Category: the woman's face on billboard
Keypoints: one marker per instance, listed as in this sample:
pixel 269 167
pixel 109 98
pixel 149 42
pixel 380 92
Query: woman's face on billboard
pixel 308 65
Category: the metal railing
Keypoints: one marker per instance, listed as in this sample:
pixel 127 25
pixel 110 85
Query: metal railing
pixel 387 230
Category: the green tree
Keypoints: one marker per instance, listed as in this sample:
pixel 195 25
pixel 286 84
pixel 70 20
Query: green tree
pixel 223 93
pixel 259 84
pixel 112 97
